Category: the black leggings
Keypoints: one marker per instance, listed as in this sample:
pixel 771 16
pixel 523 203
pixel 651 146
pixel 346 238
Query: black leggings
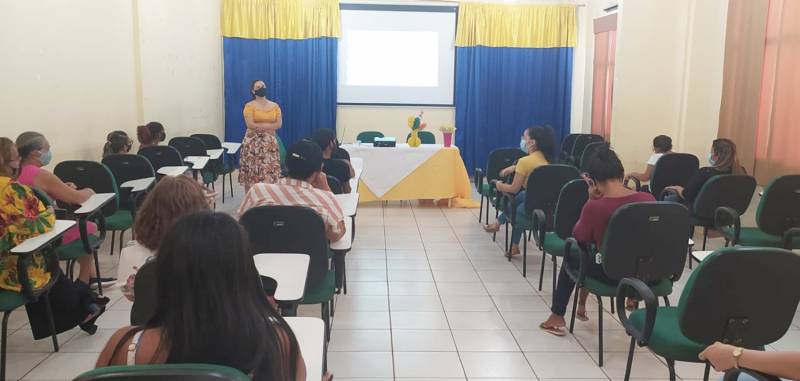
pixel 69 308
pixel 565 283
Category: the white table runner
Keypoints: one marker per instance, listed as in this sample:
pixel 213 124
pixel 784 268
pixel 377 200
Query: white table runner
pixel 386 167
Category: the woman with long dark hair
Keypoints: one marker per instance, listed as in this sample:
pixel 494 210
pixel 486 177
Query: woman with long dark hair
pixel 211 307
pixel 722 160
pixel 260 160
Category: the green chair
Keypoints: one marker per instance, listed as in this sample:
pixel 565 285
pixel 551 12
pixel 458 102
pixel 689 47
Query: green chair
pixel 671 169
pixel 125 168
pixel 219 166
pixel 167 372
pixel 368 136
pixel 571 199
pixel 296 229
pixel 732 191
pixel 426 137
pixel 94 175
pixel 745 297
pixel 643 240
pixel 777 217
pixel 498 160
pixel 542 191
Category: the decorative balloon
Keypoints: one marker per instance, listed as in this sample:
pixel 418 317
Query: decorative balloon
pixel 416 124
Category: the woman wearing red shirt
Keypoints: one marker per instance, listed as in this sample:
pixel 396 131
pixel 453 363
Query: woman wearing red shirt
pixel 604 173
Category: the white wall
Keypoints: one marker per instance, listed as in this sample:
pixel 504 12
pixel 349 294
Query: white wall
pixel 668 77
pixel 70 69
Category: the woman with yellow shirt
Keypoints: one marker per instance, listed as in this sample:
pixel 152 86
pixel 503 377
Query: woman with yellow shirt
pixel 539 143
pixel 260 160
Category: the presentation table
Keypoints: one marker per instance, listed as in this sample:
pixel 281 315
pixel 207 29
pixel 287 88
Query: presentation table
pixel 429 171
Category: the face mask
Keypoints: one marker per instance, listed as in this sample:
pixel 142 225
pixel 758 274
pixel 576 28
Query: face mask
pixel 711 159
pixel 46 157
pixel 262 92
pixel 523 145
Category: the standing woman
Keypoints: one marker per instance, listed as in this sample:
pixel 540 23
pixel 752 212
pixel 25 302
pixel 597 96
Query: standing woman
pixel 260 154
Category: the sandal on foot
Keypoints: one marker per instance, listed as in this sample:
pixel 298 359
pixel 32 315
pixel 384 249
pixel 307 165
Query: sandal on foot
pixel 557 331
pixel 491 228
pixel 582 317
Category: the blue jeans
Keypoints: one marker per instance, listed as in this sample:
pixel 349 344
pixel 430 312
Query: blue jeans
pixel 502 219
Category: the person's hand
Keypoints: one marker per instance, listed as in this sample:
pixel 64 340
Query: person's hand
pixel 505 172
pixel 494 182
pixel 720 356
pixel 71 185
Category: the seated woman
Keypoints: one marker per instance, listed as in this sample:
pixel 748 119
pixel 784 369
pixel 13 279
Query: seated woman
pixel 539 143
pixel 34 149
pixel 607 193
pixel 210 308
pixel 722 160
pixel 150 134
pixel 117 142
pixel 326 139
pixel 170 199
pixel 662 145
pixel 20 210
pixel 784 365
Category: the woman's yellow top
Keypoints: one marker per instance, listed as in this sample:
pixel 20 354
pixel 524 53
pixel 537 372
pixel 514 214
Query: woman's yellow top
pixel 527 164
pixel 261 116
pixel 22 216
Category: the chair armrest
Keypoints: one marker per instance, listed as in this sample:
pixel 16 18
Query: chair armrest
pixel 789 236
pixel 583 257
pixel 726 216
pixel 651 304
pixel 100 220
pixel 664 193
pixel 539 221
pixel 733 375
pixel 478 176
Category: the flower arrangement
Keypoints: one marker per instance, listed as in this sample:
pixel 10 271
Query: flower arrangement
pixel 447 128
pixel 447 133
pixel 416 124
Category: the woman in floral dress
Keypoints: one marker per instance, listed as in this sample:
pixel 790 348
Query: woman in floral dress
pixel 260 160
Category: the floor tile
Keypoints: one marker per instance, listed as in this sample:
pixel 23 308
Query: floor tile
pixel 645 365
pixel 61 366
pixel 476 320
pixel 419 320
pixel 536 340
pixel 501 276
pixel 86 343
pixel 360 340
pixel 456 276
pixel 362 302
pixel 407 264
pixel 524 320
pixel 460 288
pixel 19 364
pixel 404 340
pixel 412 288
pixel 564 365
pixel 366 288
pixel 360 364
pixel 450 264
pixel 485 341
pixel 410 275
pixel 22 341
pixel 366 275
pixel 415 303
pixel 496 365
pixel 361 320
pixel 114 319
pixel 504 288
pixel 427 364
pixel 520 303
pixel 467 303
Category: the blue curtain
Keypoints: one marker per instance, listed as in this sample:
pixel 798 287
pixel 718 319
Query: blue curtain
pixel 300 76
pixel 502 91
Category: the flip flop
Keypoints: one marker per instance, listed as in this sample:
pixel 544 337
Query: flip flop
pixel 557 331
pixel 491 228
pixel 581 317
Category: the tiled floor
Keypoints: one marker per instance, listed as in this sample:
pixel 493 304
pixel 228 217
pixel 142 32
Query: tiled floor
pixel 430 296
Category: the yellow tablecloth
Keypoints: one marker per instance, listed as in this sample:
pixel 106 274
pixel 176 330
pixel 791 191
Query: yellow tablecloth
pixel 442 176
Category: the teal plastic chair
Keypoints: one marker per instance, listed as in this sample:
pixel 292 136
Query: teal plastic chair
pixel 167 372
pixel 369 136
pixel 221 166
pixel 745 297
pixel 425 136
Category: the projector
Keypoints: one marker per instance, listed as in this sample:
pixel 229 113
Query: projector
pixel 385 142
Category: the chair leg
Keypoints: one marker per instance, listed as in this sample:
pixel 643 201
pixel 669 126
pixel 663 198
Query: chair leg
pixel 113 238
pixel 121 240
pixel 480 212
pixel 6 315
pixel 507 246
pixel 524 256
pixel 630 359
pixel 612 305
pixel 327 319
pixel 705 373
pixel 223 188
pixel 541 270
pixel 666 301
pixel 50 321
pixel 671 366
pixel 488 205
pixel 97 272
pixel 705 236
pixel 574 308
pixel 600 331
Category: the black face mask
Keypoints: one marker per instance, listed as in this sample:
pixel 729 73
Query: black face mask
pixel 262 92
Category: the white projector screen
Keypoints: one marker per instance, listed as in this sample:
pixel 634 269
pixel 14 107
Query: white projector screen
pixel 396 54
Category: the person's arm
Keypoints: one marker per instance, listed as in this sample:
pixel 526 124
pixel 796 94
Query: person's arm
pixel 320 181
pixel 780 364
pixel 508 170
pixel 261 126
pixel 336 234
pixel 644 176
pixel 52 185
pixel 515 185
pixel 689 192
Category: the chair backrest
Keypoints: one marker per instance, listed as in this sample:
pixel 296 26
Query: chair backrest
pixel 646 240
pixel 733 191
pixel 499 159
pixel 588 152
pixel 281 149
pixel 90 174
pixel 162 156
pixel 369 136
pixel 779 209
pixel 209 141
pixel 337 168
pixel 335 185
pixel 570 202
pixel 188 146
pixel 568 143
pixel 745 296
pixel 544 186
pixel 127 167
pixel 582 141
pixel 289 229
pixel 673 169
pixel 426 137
pixel 168 372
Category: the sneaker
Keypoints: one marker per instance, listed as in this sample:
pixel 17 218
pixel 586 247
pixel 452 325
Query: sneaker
pixel 105 282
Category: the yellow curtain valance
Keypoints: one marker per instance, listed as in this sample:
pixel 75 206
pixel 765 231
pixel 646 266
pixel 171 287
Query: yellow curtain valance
pixel 516 26
pixel 282 19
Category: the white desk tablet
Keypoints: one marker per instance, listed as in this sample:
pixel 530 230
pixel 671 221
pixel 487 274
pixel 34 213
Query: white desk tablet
pixel 348 202
pixel 138 185
pixel 214 154
pixel 198 162
pixel 35 243
pixel 231 147
pixel 346 242
pixel 310 334
pixel 172 170
pixel 289 271
pixel 97 201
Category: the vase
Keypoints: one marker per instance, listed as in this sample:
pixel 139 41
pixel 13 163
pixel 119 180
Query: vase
pixel 448 138
pixel 414 141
